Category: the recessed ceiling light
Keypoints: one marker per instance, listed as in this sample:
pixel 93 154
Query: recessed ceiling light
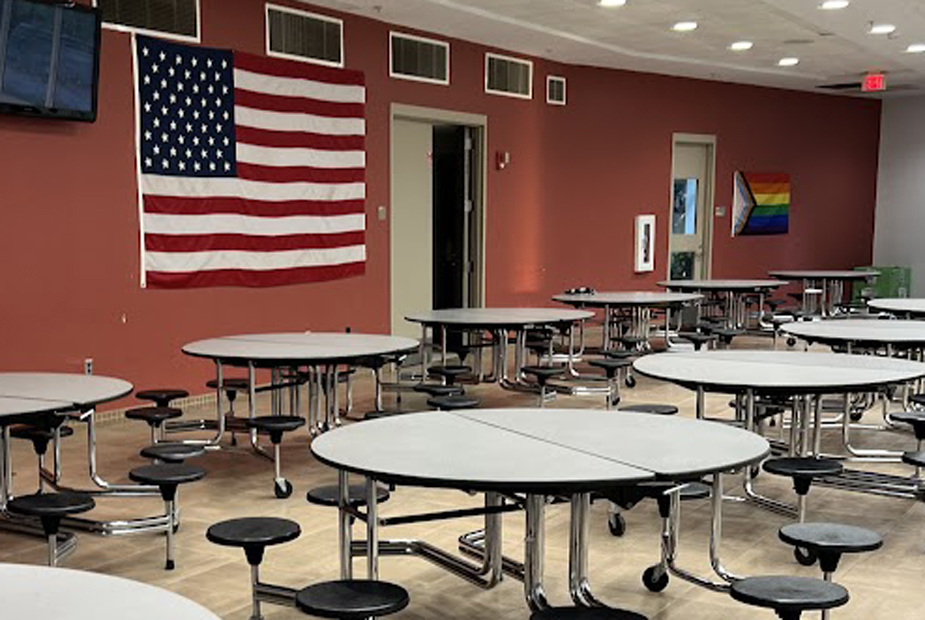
pixel 609 3
pixel 788 62
pixel 741 46
pixel 834 5
pixel 684 26
pixel 882 29
pixel 916 48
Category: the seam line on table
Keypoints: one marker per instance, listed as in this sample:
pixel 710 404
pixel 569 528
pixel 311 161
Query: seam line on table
pixel 553 443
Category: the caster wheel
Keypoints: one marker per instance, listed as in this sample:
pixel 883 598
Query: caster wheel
pixel 234 440
pixel 856 416
pixel 283 490
pixel 791 342
pixel 651 583
pixel 176 527
pixel 630 382
pixel 806 557
pixel 614 402
pixel 617 525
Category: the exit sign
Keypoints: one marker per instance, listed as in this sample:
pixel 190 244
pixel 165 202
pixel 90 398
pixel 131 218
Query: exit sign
pixel 874 82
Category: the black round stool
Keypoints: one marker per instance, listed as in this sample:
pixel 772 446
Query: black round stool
pixel 450 373
pixel 172 452
pixel 789 596
pixel 40 438
pixel 275 426
pixel 437 389
pixel 614 369
pixel 50 508
pixel 829 541
pixel 697 339
pixel 254 535
pixel 654 408
pixel 543 374
pixel 327 495
pixel 917 460
pixel 352 599
pixel 232 386
pixel 803 470
pixel 453 403
pixel 585 613
pixel 154 417
pixel 161 397
pixel 167 477
pixel 916 419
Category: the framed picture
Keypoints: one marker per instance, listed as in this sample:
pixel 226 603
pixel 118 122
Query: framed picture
pixel 645 243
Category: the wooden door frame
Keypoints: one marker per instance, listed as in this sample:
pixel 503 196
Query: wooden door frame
pixel 709 196
pixel 435 116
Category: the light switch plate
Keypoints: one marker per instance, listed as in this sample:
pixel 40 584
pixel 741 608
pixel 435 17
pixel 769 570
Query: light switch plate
pixel 380 213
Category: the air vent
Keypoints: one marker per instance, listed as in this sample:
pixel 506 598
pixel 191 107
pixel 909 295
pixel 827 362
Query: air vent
pixel 555 90
pixel 177 18
pixel 508 76
pixel 299 35
pixel 841 87
pixel 419 59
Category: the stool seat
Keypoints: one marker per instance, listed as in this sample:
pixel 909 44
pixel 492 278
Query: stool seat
pixel 327 495
pixel 35 433
pixel 802 467
pixel 172 452
pixel 728 333
pixel 452 403
pixel 450 370
pixel 585 613
pixel 51 504
pixel 161 396
pixel 696 337
pixel 543 372
pixel 155 416
pixel 352 599
pixel 914 458
pixel 611 365
pixel 831 537
pixel 434 389
pixel 378 415
pixel 276 423
pixel 914 418
pixel 789 594
pixel 166 474
pixel 657 409
pixel 918 399
pixel 695 490
pixel 239 384
pixel 253 532
pixel 620 354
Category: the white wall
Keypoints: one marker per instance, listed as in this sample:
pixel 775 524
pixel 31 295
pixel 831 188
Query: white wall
pixel 899 231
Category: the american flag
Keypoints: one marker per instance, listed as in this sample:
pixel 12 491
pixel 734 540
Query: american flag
pixel 251 169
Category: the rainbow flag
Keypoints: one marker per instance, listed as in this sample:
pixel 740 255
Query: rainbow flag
pixel 761 204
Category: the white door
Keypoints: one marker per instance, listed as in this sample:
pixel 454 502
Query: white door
pixel 688 246
pixel 411 224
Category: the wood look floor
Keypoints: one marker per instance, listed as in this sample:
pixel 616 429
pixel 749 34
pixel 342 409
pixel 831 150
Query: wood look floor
pixel 883 584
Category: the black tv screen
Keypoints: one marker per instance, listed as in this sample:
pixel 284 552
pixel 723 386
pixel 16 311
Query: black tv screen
pixel 49 59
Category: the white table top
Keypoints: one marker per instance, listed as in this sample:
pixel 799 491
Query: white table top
pixel 499 317
pixel 44 593
pixel 535 450
pixel 823 274
pixel 899 305
pixel 298 347
pixel 632 298
pixel 781 371
pixel 12 406
pixel 721 285
pixel 860 330
pixel 81 391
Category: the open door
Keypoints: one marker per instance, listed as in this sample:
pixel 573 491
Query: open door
pixel 691 218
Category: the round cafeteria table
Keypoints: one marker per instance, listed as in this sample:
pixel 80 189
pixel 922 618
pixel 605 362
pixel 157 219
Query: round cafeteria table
pixel 321 351
pixel 865 332
pixel 804 376
pixel 498 321
pixel 831 283
pixel 640 303
pixel 537 452
pixel 46 593
pixel 911 307
pixel 733 293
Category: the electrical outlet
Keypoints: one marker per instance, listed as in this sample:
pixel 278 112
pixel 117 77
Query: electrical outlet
pixel 88 366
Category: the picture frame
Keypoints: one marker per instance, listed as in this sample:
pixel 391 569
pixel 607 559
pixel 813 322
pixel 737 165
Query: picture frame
pixel 645 243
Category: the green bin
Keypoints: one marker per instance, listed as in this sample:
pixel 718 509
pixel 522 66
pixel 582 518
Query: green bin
pixel 892 282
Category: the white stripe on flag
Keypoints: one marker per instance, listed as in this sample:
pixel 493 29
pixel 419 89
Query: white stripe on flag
pixel 183 262
pixel 312 158
pixel 293 121
pixel 233 224
pixel 298 87
pixel 228 187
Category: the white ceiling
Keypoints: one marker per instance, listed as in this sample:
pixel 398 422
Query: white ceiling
pixel 833 46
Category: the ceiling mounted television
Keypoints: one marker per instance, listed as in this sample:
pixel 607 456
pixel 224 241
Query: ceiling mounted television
pixel 49 59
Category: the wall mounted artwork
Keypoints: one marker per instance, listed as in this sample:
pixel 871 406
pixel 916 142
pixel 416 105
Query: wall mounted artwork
pixel 645 243
pixel 761 204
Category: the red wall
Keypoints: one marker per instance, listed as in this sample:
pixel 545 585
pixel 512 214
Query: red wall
pixel 561 214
